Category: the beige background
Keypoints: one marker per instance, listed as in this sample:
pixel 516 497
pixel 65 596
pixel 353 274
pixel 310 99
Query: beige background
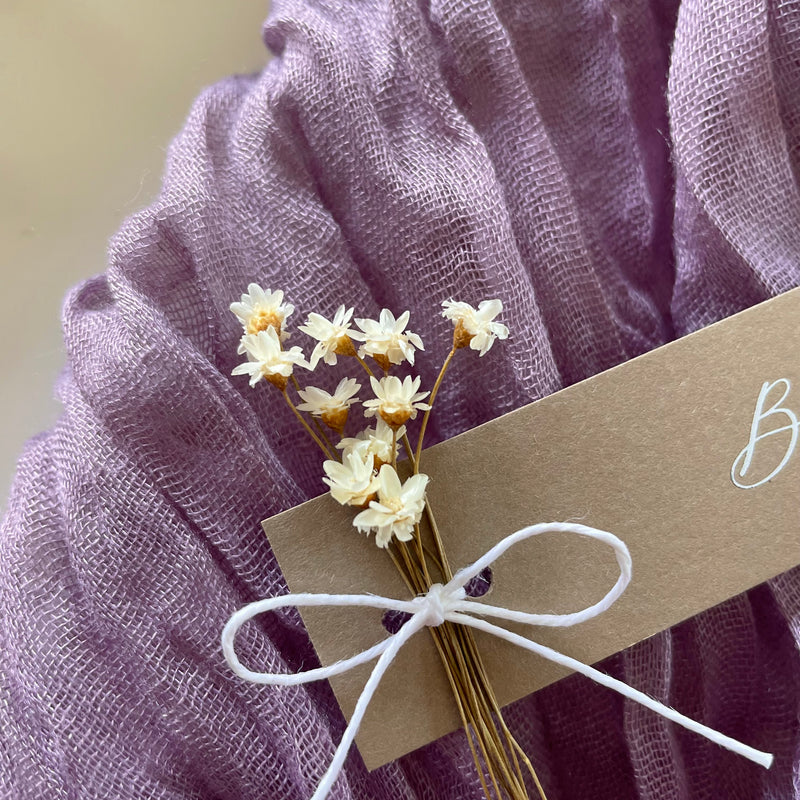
pixel 92 91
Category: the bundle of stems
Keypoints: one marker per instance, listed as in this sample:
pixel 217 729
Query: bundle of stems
pixel 499 760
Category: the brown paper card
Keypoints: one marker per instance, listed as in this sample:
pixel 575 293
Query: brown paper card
pixel 644 450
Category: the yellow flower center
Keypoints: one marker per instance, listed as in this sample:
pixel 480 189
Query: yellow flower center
pixel 394 503
pixel 335 419
pixel 396 418
pixel 461 336
pixel 344 346
pixel 277 380
pixel 382 361
pixel 262 320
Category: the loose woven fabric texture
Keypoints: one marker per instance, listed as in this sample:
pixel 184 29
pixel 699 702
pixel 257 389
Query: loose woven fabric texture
pixel 618 173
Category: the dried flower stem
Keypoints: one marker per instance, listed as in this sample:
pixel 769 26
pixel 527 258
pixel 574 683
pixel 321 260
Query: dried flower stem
pixel 318 425
pixel 435 391
pixel 447 573
pixel 432 556
pixel 401 569
pixel 413 570
pixel 409 452
pixel 311 433
pixel 365 365
pixel 421 554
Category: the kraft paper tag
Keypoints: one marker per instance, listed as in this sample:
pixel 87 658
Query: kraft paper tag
pixel 688 453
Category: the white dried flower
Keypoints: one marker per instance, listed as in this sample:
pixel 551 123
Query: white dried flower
pixel 386 339
pixel 475 327
pixel 377 442
pixel 261 309
pixel 266 358
pixel 353 482
pixel 332 408
pixel 333 336
pixel 395 401
pixel 398 507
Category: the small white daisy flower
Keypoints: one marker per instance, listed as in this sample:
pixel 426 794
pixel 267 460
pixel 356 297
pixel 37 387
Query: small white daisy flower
pixel 333 336
pixel 395 401
pixel 333 408
pixel 266 359
pixel 475 327
pixel 353 482
pixel 386 339
pixel 397 510
pixel 261 309
pixel 377 442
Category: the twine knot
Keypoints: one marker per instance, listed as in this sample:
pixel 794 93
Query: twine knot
pixel 439 601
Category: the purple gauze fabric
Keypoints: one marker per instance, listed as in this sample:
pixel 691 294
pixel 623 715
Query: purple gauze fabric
pixel 395 154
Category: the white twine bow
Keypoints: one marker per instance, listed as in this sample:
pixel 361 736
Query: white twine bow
pixel 448 603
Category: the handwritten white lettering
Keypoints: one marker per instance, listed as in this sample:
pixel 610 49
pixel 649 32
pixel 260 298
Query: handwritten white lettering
pixel 744 461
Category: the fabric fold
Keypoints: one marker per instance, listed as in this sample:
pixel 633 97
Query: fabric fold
pixel 618 173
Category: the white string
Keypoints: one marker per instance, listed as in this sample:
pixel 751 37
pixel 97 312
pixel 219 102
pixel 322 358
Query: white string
pixel 448 603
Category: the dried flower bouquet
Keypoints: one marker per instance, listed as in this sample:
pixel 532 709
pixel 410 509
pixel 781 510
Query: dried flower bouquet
pixel 362 471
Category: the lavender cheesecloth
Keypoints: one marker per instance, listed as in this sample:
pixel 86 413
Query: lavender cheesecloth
pixel 619 173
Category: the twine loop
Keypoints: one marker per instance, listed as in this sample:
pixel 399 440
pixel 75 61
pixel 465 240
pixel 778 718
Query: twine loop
pixel 448 603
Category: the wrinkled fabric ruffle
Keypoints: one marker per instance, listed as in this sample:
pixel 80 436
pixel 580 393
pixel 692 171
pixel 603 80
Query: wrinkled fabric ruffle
pixel 620 174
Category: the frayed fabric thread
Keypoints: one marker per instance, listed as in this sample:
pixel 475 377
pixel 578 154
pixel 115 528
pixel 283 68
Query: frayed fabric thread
pixel 448 603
